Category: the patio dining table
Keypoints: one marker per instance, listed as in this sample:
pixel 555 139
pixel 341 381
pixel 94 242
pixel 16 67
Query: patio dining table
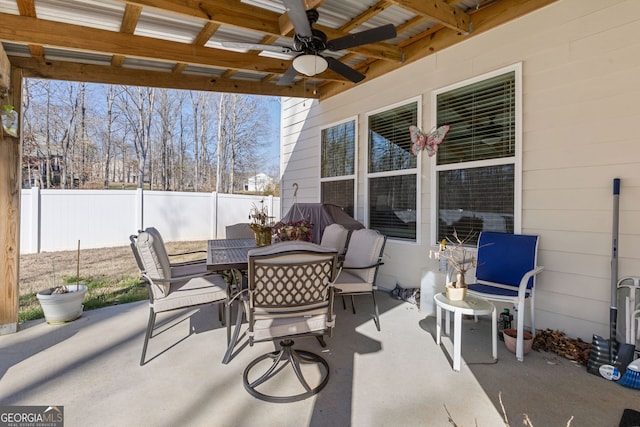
pixel 231 255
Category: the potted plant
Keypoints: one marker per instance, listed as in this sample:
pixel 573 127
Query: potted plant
pixel 297 230
pixel 459 258
pixel 261 224
pixel 62 304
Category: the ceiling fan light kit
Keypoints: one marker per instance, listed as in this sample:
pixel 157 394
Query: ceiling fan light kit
pixel 310 65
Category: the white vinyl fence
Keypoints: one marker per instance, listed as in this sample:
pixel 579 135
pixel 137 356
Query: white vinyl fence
pixel 54 220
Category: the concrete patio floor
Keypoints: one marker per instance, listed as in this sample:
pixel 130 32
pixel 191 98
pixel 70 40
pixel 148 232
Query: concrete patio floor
pixel 396 377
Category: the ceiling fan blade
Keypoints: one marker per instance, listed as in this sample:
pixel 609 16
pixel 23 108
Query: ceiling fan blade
pixel 373 35
pixel 298 17
pixel 257 46
pixel 287 77
pixel 345 70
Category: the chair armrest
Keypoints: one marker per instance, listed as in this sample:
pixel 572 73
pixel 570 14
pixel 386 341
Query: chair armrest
pixel 181 278
pixel 525 279
pixel 365 267
pixel 189 262
pixel 192 262
pixel 188 253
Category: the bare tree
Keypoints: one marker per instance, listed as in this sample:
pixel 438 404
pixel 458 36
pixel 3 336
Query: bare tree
pixel 142 135
pixel 137 107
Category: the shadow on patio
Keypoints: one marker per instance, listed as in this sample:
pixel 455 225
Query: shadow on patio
pixel 394 377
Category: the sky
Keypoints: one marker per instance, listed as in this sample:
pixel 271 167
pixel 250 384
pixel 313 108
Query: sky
pixel 271 153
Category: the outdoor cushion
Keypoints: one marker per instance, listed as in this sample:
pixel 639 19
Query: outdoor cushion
pixel 347 282
pixel 335 236
pixel 363 251
pixel 192 292
pixel 155 259
pixel 273 328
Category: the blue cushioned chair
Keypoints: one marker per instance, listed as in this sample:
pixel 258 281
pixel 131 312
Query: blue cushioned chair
pixel 505 272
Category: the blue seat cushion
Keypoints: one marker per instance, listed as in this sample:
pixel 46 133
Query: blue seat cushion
pixel 505 258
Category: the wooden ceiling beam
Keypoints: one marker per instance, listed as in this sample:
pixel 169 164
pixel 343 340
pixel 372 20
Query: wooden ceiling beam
pixel 32 30
pixel 62 70
pixel 442 12
pixel 484 19
pixel 28 8
pixel 128 26
pixel 254 18
pixel 201 39
pixel 366 15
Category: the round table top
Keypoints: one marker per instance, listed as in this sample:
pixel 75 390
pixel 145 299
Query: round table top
pixel 469 305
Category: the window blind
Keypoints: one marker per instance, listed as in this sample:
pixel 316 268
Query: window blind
pixel 389 139
pixel 482 120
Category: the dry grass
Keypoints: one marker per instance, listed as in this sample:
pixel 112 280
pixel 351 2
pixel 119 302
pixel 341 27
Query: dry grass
pixel 108 270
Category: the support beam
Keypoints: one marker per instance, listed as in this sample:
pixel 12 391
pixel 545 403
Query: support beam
pixel 10 185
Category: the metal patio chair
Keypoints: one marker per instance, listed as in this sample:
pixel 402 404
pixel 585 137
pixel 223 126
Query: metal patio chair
pixel 290 295
pixel 358 273
pixel 173 287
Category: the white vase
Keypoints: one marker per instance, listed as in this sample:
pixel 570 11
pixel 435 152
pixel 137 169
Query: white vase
pixel 456 294
pixel 61 308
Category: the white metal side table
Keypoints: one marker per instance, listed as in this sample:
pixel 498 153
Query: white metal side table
pixel 470 305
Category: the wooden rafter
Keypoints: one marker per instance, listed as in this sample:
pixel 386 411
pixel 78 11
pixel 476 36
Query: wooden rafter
pixel 448 24
pixel 441 11
pixel 128 26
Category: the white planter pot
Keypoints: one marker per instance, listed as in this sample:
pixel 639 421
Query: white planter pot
pixel 61 308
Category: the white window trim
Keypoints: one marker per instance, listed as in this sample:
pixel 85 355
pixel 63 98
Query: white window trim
pixel 417 170
pixel 516 160
pixel 355 162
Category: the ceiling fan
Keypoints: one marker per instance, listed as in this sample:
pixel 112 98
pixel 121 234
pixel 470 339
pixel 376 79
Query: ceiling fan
pixel 310 43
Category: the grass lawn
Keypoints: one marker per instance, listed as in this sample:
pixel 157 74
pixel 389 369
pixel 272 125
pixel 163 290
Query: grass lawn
pixel 110 274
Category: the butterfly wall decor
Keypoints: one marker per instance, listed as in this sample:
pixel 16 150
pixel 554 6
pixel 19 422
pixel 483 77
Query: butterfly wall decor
pixel 427 141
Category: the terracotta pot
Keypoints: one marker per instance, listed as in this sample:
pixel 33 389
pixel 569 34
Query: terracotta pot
pixel 455 294
pixel 510 336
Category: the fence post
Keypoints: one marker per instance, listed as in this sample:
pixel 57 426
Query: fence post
pixel 214 215
pixel 35 220
pixel 138 210
pixel 270 204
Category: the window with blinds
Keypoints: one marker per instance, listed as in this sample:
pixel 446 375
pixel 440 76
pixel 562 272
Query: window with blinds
pixel 393 172
pixel 337 168
pixel 476 163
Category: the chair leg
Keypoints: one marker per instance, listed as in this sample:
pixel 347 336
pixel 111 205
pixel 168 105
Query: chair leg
pixel 147 336
pixel 533 315
pixel 353 304
pixel 231 344
pixel 286 355
pixel 320 339
pixel 375 310
pixel 520 339
pixel 221 313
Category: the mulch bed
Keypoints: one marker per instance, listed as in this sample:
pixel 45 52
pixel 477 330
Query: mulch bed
pixel 557 342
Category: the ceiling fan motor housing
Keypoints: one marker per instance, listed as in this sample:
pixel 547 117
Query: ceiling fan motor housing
pixel 311 45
